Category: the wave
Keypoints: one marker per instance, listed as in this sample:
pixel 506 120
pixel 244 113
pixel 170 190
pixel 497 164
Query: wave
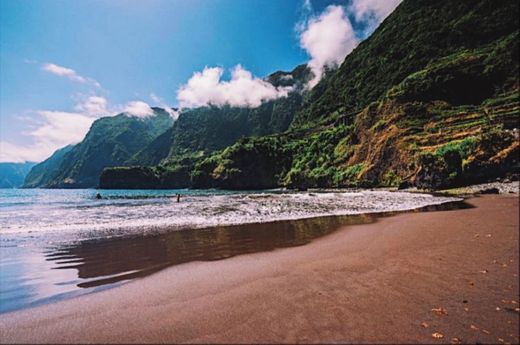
pixel 132 215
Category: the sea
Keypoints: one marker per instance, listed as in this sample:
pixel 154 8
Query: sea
pixel 62 243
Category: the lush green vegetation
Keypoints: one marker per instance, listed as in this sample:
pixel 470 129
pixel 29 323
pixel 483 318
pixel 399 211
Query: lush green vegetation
pixel 417 33
pixel 292 160
pixel 111 141
pixel 213 128
pixel 463 147
pixel 42 173
pixel 431 99
pixel 127 141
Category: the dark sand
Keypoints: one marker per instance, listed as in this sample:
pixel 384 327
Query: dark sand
pixel 370 283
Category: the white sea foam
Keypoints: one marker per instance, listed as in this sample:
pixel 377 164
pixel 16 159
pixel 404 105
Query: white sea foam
pixel 78 214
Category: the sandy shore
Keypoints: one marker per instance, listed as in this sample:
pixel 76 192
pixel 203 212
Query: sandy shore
pixel 365 283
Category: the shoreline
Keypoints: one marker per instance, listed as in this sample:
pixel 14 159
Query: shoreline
pixel 375 282
pixel 105 263
pixel 209 212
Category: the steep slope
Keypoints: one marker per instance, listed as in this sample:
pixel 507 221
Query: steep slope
pixel 12 175
pixel 415 34
pixel 111 141
pixel 155 151
pixel 213 128
pixel 122 141
pixel 452 122
pixel 45 171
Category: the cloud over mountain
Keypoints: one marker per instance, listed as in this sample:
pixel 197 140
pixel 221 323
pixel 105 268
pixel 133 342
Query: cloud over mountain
pixel 174 113
pixel 243 90
pixel 372 12
pixel 327 39
pixel 55 129
pixel 93 106
pixel 377 9
pixel 138 109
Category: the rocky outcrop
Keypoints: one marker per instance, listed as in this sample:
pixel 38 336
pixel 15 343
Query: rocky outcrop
pixel 496 156
pixel 437 172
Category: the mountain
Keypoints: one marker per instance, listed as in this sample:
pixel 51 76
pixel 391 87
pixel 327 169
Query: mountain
pixel 46 170
pixel 125 140
pixel 153 153
pixel 213 128
pixel 12 175
pixel 430 99
pixel 204 130
pixel 416 34
pixel 210 128
pixel 111 141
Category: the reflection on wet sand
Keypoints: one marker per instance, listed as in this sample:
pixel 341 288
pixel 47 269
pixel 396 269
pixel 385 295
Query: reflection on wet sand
pixel 111 260
pixel 108 261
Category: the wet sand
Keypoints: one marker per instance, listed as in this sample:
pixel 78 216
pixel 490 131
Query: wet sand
pixel 371 283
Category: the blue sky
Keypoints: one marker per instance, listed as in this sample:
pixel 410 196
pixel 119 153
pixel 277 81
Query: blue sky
pixel 62 63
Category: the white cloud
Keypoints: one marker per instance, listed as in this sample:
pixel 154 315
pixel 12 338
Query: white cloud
pixel 243 90
pixel 330 37
pixel 377 9
pixel 161 103
pixel 14 153
pixel 61 128
pixel 93 106
pixel 327 39
pixel 57 129
pixel 138 109
pixel 52 130
pixel 68 73
pixel 97 106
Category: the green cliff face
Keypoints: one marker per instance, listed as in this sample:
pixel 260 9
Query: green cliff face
pixel 436 87
pixel 153 153
pixel 111 141
pixel 45 171
pixel 212 128
pixel 412 37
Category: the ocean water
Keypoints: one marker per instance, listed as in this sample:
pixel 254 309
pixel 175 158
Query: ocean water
pixel 56 244
pixel 77 214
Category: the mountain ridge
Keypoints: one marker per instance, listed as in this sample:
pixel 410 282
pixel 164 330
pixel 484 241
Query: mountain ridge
pixel 111 141
pixel 196 131
pixel 378 120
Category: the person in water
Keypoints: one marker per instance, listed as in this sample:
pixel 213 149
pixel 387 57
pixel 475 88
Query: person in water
pixel 178 198
pixel 98 196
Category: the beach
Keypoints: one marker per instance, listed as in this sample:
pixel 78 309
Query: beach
pixel 421 277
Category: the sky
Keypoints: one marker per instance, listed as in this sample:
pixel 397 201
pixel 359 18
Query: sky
pixel 64 64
